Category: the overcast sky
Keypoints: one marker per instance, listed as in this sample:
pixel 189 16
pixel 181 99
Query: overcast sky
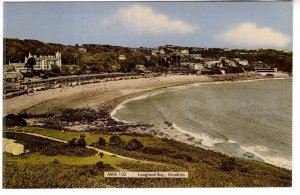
pixel 150 24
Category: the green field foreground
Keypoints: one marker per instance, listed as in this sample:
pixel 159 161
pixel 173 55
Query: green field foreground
pixel 89 137
pixel 37 169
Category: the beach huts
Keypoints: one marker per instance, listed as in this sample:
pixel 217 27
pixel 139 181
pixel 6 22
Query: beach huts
pixel 10 146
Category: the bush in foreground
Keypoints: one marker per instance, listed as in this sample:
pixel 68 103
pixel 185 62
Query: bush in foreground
pixel 116 141
pixel 101 142
pixel 14 120
pixel 134 144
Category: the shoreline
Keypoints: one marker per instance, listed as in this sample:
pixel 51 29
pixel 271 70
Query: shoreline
pixel 119 101
pixel 93 95
pixel 115 98
pixel 196 139
pixel 112 93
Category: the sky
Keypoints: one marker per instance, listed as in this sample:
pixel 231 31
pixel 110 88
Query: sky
pixel 248 25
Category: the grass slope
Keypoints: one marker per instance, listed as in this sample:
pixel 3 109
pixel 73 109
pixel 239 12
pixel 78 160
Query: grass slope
pixel 206 168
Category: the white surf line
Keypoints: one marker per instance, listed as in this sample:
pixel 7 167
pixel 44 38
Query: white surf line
pixel 89 147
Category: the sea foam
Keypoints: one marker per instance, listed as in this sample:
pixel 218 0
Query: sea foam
pixel 262 152
pixel 206 140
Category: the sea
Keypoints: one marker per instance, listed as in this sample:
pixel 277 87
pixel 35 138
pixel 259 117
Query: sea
pixel 251 119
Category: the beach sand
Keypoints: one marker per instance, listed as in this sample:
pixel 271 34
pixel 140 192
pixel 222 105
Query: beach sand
pixel 93 95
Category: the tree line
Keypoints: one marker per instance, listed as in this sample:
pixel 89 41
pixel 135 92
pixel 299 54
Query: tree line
pixel 105 58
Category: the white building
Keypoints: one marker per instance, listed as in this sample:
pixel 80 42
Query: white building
pixel 11 147
pixel 222 58
pixel 162 51
pixel 45 62
pixel 140 67
pixel 154 52
pixel 185 52
pixel 12 76
pixel 122 57
pixel 236 60
pixel 230 63
pixel 216 63
pixel 192 65
pixel 244 62
pixel 82 49
pixel 196 56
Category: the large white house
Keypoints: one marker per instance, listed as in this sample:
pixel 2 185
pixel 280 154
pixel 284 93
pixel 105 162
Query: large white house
pixel 45 62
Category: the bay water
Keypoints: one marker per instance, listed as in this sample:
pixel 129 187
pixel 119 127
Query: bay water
pixel 250 119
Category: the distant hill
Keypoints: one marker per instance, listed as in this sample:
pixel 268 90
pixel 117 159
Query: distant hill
pixel 97 58
pixel 105 58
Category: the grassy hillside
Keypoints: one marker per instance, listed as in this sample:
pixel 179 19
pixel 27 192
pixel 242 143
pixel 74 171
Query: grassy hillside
pixel 206 168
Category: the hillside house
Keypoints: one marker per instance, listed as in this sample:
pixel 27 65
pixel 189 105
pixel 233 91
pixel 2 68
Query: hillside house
pixel 196 57
pixel 12 76
pixel 122 57
pixel 185 52
pixel 222 58
pixel 214 63
pixel 45 62
pixel 154 52
pixel 243 62
pixel 192 65
pixel 162 52
pixel 82 49
pixel 140 68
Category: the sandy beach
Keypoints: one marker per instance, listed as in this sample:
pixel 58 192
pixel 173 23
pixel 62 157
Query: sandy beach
pixel 93 95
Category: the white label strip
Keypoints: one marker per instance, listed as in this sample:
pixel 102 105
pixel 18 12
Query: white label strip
pixel 146 174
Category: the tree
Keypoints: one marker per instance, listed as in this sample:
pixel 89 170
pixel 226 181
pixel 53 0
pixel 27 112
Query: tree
pixel 101 141
pixel 134 144
pixel 100 164
pixel 30 64
pixel 55 69
pixel 81 141
pixel 72 142
pixel 101 154
pixel 14 120
pixel 65 70
pixel 228 165
pixel 116 141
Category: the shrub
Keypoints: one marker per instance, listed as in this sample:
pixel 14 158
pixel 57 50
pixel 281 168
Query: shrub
pixel 81 143
pixel 243 168
pixel 116 141
pixel 72 142
pixel 63 149
pixel 188 159
pixel 180 155
pixel 101 142
pixel 56 161
pixel 153 150
pixel 14 120
pixel 228 165
pixel 100 164
pixel 134 144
